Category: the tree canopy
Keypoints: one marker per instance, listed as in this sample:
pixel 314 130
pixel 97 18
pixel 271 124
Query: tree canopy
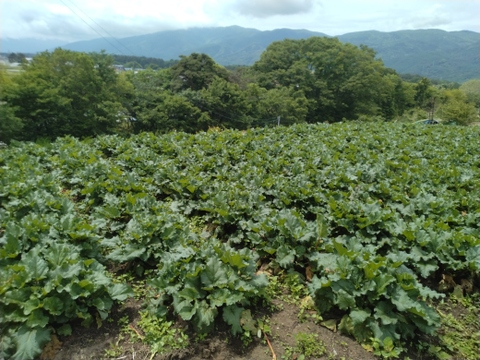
pixel 195 72
pixel 65 92
pixel 314 80
pixel 339 80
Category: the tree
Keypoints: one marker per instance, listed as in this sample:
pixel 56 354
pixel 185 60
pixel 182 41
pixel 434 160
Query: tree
pixel 66 93
pixel 156 108
pixel 471 88
pixel 16 57
pixel 339 80
pixel 455 107
pixel 423 93
pixel 267 105
pixel 153 66
pixel 225 104
pixel 195 72
pixel 426 96
pixel 10 125
pixel 133 65
pixel 398 96
pixel 169 112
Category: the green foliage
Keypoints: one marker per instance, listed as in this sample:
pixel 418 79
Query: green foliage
pixel 353 280
pixel 307 346
pixel 64 92
pixel 456 108
pixel 471 88
pixel 158 109
pixel 377 211
pixel 160 334
pixel 29 341
pixel 16 57
pixel 195 72
pixel 133 65
pixel 290 105
pixel 200 280
pixel 424 93
pixel 50 273
pixel 295 81
pixel 10 126
pixel 339 80
pixel 225 104
pixel 458 334
pixel 145 62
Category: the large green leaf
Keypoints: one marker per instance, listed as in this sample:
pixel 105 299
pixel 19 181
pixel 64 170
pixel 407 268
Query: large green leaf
pixel 29 342
pixel 120 292
pixel 213 275
pixel 231 315
pixel 359 316
pixel 54 305
pixel 285 256
pixel 204 316
pixel 185 308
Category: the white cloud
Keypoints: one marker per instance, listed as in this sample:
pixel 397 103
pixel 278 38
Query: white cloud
pixel 75 19
pixel 267 8
pixel 58 9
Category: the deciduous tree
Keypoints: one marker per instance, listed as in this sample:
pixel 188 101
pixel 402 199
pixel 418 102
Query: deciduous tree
pixel 471 88
pixel 64 92
pixel 195 72
pixel 10 125
pixel 455 107
pixel 339 80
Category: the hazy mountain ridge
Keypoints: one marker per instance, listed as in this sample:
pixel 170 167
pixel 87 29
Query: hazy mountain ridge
pixel 231 45
pixel 436 54
pixel 29 46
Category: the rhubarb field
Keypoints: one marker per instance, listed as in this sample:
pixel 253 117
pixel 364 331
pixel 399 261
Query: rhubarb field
pixel 373 217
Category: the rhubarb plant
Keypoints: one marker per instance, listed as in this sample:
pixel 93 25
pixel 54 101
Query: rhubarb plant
pixel 203 280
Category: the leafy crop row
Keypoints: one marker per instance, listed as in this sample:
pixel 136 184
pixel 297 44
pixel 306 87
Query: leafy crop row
pixel 51 272
pixel 379 212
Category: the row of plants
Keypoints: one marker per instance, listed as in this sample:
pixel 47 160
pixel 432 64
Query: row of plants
pixel 50 269
pixel 378 213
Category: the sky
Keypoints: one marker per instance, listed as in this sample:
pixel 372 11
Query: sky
pixel 74 20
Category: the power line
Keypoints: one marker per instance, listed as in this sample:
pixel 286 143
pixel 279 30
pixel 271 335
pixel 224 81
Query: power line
pixel 113 37
pixel 91 27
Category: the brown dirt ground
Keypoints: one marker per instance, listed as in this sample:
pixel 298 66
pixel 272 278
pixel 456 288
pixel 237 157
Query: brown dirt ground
pixel 89 344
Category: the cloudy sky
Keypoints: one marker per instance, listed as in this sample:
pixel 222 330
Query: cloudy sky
pixel 72 20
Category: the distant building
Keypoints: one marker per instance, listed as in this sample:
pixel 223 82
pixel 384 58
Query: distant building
pixel 119 68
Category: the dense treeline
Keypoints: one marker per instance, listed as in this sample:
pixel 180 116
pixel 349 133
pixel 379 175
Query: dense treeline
pixel 143 62
pixel 16 57
pixel 295 81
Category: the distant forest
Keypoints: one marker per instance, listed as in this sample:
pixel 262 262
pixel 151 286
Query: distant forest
pixel 138 61
pixel 143 62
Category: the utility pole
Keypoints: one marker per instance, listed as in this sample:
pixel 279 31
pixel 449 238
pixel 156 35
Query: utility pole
pixel 278 121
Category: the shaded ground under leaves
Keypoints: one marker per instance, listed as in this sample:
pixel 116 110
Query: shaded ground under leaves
pixel 95 343
pixel 460 332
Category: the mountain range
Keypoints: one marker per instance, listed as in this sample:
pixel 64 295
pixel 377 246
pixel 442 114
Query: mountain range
pixel 436 54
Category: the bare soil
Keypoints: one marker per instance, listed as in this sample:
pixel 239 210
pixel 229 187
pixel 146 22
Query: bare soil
pixel 92 343
pixel 285 324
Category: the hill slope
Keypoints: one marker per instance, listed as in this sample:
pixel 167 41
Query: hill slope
pixel 436 54
pixel 28 46
pixel 228 45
